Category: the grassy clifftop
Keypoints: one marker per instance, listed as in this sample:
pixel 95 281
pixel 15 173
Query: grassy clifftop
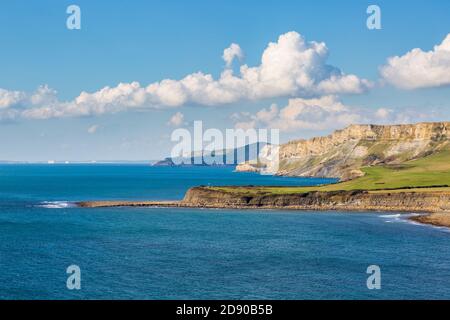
pixel 428 173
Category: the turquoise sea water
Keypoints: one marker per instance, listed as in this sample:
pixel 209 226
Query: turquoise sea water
pixel 157 253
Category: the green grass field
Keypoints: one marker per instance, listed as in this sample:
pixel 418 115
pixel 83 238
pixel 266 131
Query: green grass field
pixel 430 171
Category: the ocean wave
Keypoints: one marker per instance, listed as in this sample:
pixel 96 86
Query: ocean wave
pixel 56 204
pixel 427 225
pixel 399 217
pixel 405 218
pixel 391 215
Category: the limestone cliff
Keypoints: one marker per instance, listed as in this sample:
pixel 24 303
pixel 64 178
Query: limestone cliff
pixel 344 152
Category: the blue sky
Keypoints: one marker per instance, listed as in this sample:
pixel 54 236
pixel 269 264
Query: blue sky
pixel 149 41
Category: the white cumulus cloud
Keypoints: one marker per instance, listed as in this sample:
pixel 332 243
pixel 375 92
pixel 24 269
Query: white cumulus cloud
pixel 290 67
pixel 176 120
pixel 10 98
pixel 232 52
pixel 93 129
pixel 322 114
pixel 383 113
pixel 420 69
pixel 304 114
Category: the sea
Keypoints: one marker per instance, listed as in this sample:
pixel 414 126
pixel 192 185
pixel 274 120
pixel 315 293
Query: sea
pixel 184 253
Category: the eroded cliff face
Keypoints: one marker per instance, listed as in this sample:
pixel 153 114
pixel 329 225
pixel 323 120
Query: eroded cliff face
pixel 333 200
pixel 343 153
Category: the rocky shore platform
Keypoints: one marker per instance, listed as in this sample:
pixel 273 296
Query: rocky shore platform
pixel 436 204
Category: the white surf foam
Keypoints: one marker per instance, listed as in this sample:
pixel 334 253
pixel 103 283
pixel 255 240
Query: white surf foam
pixel 391 215
pixel 56 204
pixel 399 217
pixel 404 218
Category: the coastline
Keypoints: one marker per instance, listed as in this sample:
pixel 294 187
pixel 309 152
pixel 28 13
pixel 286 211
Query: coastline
pixel 440 219
pixel 119 203
pixel 382 168
pixel 434 205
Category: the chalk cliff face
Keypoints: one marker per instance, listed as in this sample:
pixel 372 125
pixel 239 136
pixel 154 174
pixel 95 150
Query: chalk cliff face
pixel 344 152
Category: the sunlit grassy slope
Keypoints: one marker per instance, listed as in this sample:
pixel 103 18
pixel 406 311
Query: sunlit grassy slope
pixel 430 171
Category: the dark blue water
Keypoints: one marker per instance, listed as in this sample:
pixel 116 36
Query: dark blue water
pixel 151 253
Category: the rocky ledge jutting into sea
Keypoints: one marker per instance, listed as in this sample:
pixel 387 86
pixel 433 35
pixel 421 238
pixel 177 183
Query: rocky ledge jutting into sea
pixel 393 201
